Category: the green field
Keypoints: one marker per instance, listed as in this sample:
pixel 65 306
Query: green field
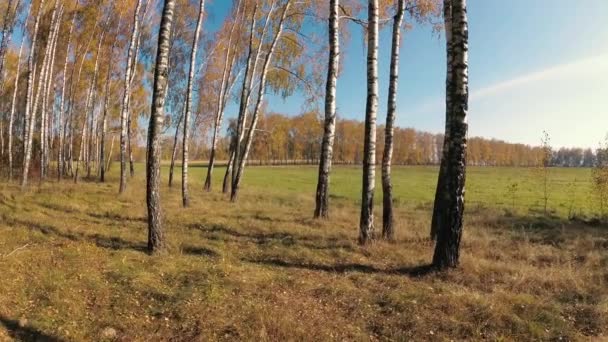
pixel 569 188
pixel 74 265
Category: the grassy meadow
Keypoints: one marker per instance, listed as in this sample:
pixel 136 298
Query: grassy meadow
pixel 74 266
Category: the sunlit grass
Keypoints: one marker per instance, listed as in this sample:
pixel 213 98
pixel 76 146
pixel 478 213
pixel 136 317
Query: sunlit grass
pixel 263 269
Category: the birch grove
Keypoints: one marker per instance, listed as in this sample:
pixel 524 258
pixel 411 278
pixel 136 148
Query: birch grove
pixel 84 75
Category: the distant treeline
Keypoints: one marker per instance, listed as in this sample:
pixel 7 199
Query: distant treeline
pixel 283 139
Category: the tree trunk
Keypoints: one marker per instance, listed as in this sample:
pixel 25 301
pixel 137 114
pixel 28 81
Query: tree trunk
pixel 107 166
pixel 62 103
pixel 228 175
pixel 329 131
pixel 366 224
pixel 241 159
pixel 221 100
pixel 45 131
pixel 125 100
pixel 188 105
pixel 447 248
pixel 388 230
pixel 129 114
pixel 250 71
pixel 155 232
pixel 104 120
pixel 174 150
pixel 438 206
pixel 11 120
pixel 89 108
pixel 30 115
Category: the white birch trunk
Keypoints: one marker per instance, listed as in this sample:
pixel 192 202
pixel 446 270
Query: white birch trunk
pixel 29 112
pixel 449 234
pixel 125 101
pixel 61 124
pixel 155 231
pixel 329 130
pixel 388 231
pixel 221 100
pixel 188 105
pixel 366 224
pixel 262 88
pixel 11 120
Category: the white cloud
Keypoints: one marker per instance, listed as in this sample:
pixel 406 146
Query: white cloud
pixel 570 101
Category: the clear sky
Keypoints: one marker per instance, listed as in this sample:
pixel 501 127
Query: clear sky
pixel 534 65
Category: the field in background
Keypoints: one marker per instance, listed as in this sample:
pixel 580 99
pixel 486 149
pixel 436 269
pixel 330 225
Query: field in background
pixel 74 267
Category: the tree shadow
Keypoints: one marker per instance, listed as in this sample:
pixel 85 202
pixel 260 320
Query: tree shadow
pixel 117 217
pixel 25 333
pixel 215 232
pixel 545 229
pixel 412 271
pixel 199 251
pixel 108 242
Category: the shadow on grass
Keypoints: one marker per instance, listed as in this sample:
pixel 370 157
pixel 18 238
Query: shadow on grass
pixel 117 217
pixel 25 333
pixel 414 271
pixel 108 242
pixel 221 232
pixel 545 229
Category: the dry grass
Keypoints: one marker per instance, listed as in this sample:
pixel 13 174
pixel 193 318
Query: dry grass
pixel 264 270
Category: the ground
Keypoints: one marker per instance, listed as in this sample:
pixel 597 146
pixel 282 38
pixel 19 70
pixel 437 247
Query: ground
pixel 74 266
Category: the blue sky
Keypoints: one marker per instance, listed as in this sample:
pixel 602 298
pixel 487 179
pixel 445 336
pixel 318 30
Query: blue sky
pixel 534 65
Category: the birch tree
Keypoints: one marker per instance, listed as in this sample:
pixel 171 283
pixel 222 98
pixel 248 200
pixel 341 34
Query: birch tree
pixel 61 126
pixel 388 231
pixel 322 196
pixel 241 156
pixel 11 119
pixel 125 99
pixel 89 105
pixel 229 61
pixel 104 119
pixel 155 231
pixel 29 112
pixel 188 105
pixel 366 224
pixel 439 203
pixel 447 248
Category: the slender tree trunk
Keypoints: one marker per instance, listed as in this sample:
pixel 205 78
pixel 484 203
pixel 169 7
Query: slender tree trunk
pixel 388 230
pixel 188 105
pixel 438 206
pixel 250 72
pixel 369 150
pixel 129 114
pixel 242 159
pixel 329 131
pixel 60 156
pixel 30 115
pixel 228 174
pixel 174 150
pixel 47 110
pixel 11 120
pixel 155 231
pixel 125 100
pixel 89 109
pixel 104 120
pixel 447 248
pixel 221 101
pixel 107 166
